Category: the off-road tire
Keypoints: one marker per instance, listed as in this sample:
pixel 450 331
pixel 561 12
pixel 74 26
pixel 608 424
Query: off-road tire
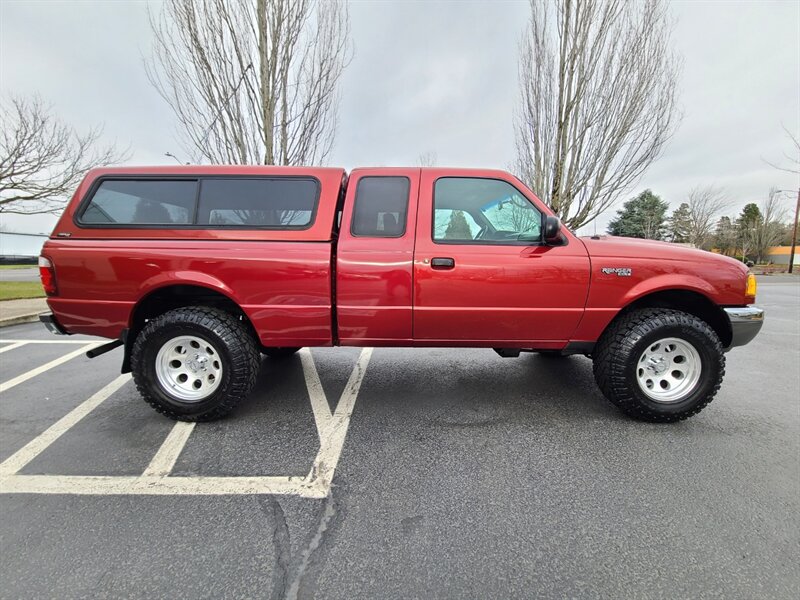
pixel 279 352
pixel 621 345
pixel 237 349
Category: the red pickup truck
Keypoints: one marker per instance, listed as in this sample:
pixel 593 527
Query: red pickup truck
pixel 198 270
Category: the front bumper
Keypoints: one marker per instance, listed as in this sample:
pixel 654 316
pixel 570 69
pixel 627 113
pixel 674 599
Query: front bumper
pixel 53 326
pixel 745 322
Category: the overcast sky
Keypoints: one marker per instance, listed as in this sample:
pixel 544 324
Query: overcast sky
pixel 435 77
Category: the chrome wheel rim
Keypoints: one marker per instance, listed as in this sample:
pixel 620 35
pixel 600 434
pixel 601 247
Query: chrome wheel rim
pixel 189 368
pixel 668 370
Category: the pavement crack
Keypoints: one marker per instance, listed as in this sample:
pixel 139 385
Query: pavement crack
pixel 281 541
pixel 312 553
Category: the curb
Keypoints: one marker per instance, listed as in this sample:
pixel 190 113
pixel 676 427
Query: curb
pixel 29 318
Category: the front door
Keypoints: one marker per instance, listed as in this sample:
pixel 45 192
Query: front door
pixel 482 273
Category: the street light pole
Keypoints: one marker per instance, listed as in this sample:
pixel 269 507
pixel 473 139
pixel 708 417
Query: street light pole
pixel 794 232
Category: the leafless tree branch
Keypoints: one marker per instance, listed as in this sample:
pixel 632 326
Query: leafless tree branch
pixel 427 159
pixel 42 160
pixel 793 158
pixel 767 230
pixel 705 204
pixel 252 81
pixel 598 100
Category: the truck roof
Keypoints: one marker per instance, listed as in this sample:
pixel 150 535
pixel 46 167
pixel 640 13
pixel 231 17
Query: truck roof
pixel 212 170
pixel 270 170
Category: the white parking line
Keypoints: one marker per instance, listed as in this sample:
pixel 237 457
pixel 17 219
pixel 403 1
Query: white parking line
pixel 167 455
pixel 46 367
pixel 158 486
pixel 56 341
pixel 156 479
pixel 332 441
pixel 12 346
pixel 36 446
pixel 316 393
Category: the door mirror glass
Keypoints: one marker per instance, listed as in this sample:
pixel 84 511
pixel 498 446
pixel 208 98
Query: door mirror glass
pixel 552 230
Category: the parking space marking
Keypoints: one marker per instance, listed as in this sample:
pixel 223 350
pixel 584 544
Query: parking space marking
pixel 332 442
pixel 11 346
pixel 57 341
pixel 316 393
pixel 37 445
pixel 101 485
pixel 169 451
pixel 47 366
pixel 156 478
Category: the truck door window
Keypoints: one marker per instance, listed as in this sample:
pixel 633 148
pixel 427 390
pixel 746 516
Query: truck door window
pixel 118 202
pixel 381 207
pixel 277 203
pixel 483 211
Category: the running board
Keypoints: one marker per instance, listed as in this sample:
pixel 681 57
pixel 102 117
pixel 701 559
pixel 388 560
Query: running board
pixel 95 352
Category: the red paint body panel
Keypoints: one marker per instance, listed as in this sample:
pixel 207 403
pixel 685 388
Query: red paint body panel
pixel 655 266
pixel 283 287
pixel 374 275
pixel 322 285
pixel 520 295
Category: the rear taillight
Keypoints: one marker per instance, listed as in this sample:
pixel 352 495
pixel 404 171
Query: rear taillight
pixel 48 276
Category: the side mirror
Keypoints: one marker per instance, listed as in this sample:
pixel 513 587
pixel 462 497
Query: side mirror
pixel 552 230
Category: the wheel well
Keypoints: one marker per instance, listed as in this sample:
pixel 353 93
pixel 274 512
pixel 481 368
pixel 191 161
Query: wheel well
pixel 177 296
pixel 690 302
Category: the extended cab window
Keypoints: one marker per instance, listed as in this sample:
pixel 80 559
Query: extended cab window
pixel 488 211
pixel 274 203
pixel 380 207
pixel 141 202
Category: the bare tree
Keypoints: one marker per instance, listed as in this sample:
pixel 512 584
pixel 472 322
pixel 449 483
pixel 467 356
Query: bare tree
pixel 793 158
pixel 252 81
pixel 705 204
pixel 792 167
pixel 766 230
pixel 427 159
pixel 598 96
pixel 42 160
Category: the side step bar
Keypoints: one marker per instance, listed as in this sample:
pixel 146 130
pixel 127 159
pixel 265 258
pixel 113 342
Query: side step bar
pixel 95 352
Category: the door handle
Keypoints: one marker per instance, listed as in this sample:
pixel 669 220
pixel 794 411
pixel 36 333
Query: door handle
pixel 442 263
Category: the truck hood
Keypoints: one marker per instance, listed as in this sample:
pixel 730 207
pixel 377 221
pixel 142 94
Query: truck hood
pixel 607 246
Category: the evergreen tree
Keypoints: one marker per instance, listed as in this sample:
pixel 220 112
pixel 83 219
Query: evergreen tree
pixel 458 228
pixel 725 238
pixel 750 216
pixel 747 225
pixel 643 217
pixel 680 224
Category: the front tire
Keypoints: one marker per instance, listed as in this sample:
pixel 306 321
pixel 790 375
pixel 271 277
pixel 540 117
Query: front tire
pixel 659 365
pixel 194 363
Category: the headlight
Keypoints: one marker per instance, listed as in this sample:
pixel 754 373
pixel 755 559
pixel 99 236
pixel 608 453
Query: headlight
pixel 750 290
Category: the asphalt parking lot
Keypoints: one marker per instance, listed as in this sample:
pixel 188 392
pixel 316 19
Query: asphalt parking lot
pixel 400 474
pixel 31 274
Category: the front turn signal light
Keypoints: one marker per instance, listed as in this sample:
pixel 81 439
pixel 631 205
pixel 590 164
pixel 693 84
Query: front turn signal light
pixel 750 290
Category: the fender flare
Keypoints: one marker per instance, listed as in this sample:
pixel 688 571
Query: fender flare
pixel 163 281
pixel 668 282
pixel 196 278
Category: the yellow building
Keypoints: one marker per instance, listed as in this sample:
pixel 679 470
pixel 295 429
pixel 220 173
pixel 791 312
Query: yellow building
pixel 779 255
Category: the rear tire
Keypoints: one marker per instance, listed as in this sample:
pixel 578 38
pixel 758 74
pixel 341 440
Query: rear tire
pixel 195 363
pixel 659 365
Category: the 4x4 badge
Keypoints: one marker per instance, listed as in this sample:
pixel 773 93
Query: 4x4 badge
pixel 619 271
